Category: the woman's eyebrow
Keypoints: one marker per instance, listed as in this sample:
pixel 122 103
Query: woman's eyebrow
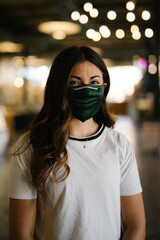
pixel 75 77
pixel 95 76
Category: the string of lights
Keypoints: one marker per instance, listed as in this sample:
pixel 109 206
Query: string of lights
pixel 104 31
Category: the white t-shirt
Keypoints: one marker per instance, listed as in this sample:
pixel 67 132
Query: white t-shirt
pixel 86 206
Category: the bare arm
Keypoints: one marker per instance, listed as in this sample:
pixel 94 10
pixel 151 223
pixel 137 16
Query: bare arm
pixel 22 217
pixel 133 217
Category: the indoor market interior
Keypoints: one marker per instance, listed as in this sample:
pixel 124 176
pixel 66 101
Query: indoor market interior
pixel 126 34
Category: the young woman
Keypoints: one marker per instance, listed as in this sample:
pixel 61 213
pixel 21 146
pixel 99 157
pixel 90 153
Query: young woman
pixel 73 177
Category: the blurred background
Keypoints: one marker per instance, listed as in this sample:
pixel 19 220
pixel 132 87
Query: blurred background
pixel 127 36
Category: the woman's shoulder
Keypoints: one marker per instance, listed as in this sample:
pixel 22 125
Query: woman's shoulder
pixel 116 137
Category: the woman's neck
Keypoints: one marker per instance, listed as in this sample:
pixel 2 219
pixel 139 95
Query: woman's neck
pixel 80 129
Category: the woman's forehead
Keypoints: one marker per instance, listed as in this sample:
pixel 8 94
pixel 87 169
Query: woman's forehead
pixel 86 67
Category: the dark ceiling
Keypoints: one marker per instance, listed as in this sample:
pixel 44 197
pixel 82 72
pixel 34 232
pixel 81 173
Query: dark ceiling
pixel 19 20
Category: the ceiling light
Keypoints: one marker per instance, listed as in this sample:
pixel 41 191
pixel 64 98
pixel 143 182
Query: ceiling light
pixel 146 15
pixel 120 33
pixel 75 15
pixel 68 27
pixel 130 5
pixel 97 37
pixel 59 35
pixel 149 33
pixel 136 35
pixel 90 33
pixel 130 17
pixel 10 47
pixel 83 19
pixel 94 13
pixel 87 6
pixel 134 28
pixel 105 32
pixel 111 15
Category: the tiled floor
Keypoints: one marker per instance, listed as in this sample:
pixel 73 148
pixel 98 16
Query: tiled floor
pixel 146 141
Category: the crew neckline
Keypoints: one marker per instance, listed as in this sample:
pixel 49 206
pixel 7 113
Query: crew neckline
pixel 96 135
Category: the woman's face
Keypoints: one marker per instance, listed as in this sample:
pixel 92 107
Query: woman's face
pixel 85 73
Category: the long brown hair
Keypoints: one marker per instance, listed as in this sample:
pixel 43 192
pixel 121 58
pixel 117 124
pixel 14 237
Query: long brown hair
pixel 49 131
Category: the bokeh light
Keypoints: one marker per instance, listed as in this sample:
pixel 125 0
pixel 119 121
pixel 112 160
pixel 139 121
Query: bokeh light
pixel 87 6
pixel 18 82
pixel 94 13
pixel 149 33
pixel 136 35
pixel 146 15
pixel 130 17
pixel 111 15
pixel 75 15
pixel 83 19
pixel 90 33
pixel 105 32
pixel 134 28
pixel 130 5
pixel 152 68
pixel 120 33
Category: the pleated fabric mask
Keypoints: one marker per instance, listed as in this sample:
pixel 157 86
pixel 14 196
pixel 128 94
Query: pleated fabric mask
pixel 85 100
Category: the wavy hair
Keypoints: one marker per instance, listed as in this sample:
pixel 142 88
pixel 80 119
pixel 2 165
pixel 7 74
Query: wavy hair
pixel 49 131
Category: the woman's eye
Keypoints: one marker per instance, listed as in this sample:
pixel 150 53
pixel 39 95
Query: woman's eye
pixel 94 82
pixel 74 83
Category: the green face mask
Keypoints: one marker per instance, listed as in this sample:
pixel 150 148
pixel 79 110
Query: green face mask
pixel 85 100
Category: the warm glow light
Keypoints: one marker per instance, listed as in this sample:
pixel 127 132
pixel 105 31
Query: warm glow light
pixel 105 32
pixel 120 33
pixel 59 35
pixel 130 5
pixel 34 61
pixel 94 13
pixel 75 15
pixel 146 15
pixel 130 17
pixel 68 27
pixel 124 79
pixel 149 33
pixel 136 35
pixel 111 15
pixel 152 59
pixel 83 19
pixel 87 6
pixel 97 37
pixel 134 28
pixel 18 82
pixel 7 46
pixel 90 33
pixel 152 68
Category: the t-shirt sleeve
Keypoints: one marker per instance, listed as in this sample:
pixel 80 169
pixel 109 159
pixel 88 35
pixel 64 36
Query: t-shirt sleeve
pixel 130 180
pixel 20 183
